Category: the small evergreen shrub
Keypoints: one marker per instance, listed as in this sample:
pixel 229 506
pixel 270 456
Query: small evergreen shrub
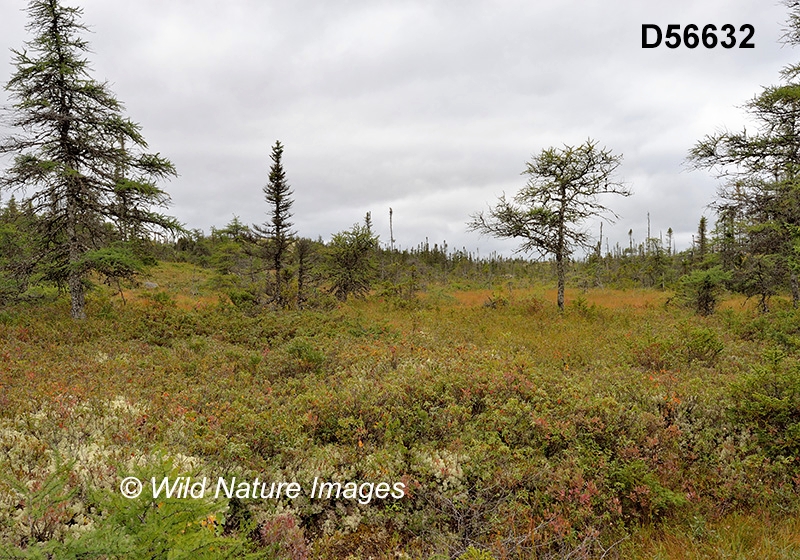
pixel 701 289
pixel 767 401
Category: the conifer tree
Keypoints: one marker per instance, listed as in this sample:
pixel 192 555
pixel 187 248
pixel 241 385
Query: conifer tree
pixel 350 265
pixel 759 195
pixel 77 160
pixel 278 229
pixel 561 194
pixel 702 240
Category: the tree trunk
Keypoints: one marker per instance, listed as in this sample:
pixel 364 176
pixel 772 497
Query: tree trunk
pixel 560 273
pixel 561 247
pixel 277 264
pixel 300 298
pixel 75 278
pixel 78 307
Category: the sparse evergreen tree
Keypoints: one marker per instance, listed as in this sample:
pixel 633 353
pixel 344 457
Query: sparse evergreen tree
pixel 560 195
pixel 669 241
pixel 75 155
pixel 656 265
pixel 278 229
pixel 702 240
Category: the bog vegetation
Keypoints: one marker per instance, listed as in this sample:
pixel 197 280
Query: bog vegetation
pixel 639 402
pixel 626 426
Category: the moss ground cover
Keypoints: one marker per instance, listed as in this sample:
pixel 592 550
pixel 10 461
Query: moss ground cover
pixel 625 427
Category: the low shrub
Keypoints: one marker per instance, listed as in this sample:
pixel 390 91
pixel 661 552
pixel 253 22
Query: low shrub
pixel 767 401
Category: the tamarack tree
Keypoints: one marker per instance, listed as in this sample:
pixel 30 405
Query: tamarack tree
pixel 561 193
pixel 78 161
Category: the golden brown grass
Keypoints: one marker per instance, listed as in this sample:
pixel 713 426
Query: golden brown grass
pixel 183 282
pixel 735 536
pixel 605 297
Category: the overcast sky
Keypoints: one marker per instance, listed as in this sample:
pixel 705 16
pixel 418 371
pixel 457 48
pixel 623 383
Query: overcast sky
pixel 431 107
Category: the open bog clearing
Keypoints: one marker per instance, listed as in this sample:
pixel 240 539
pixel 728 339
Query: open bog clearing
pixel 420 425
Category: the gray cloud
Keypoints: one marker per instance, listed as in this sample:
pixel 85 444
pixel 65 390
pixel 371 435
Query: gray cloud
pixel 431 108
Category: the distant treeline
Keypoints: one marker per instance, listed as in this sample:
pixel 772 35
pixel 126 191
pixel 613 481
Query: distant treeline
pixel 90 206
